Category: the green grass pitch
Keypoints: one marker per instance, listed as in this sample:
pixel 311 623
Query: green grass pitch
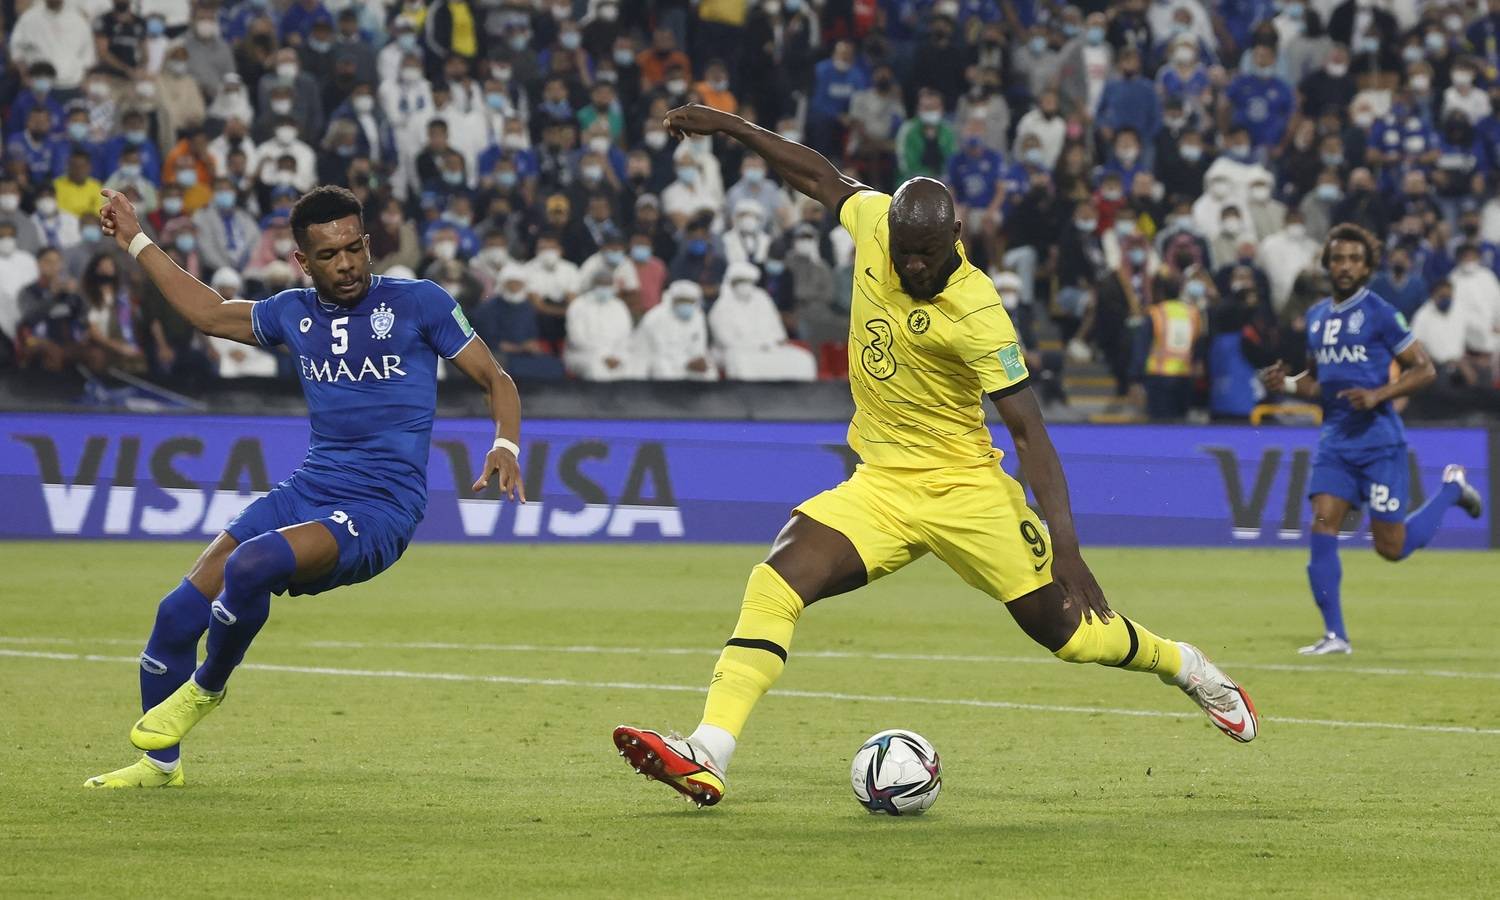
pixel 445 730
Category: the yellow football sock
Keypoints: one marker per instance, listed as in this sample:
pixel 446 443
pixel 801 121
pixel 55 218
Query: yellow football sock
pixel 1122 643
pixel 754 657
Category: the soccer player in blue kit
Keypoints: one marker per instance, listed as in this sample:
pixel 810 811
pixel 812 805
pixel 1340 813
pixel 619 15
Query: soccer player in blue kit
pixel 1352 337
pixel 367 350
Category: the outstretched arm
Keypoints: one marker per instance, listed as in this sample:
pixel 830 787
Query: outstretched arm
pixel 476 361
pixel 200 304
pixel 804 169
pixel 1043 471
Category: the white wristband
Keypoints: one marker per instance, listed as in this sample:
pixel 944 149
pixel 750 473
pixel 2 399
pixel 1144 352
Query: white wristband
pixel 1289 385
pixel 503 444
pixel 138 243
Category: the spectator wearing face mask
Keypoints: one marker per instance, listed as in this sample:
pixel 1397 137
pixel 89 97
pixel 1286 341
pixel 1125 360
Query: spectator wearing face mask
pixel 1362 204
pixel 650 272
pixel 611 259
pixel 507 321
pixel 1284 254
pixel 275 247
pixel 601 335
pixel 748 240
pixel 1318 205
pixel 1258 100
pixel 554 283
pixel 925 144
pixel 1044 122
pixel 672 337
pixel 285 142
pixel 1265 213
pixel 1477 290
pixel 1329 87
pixel 1233 231
pixel 985 103
pixel 76 189
pixel 1463 96
pixel 1129 101
pixel 37 94
pixel 58 229
pixel 306 96
pixel 18 269
pixel 835 82
pixel 749 337
pixel 133 136
pixel 688 196
pixel 1370 32
pixel 1400 283
pixel 179 100
pixel 1445 330
pixel 492 259
pixel 1173 355
pixel 1080 264
pixel 236 360
pixel 699 259
pixel 227 235
pixel 756 189
pixel 54 32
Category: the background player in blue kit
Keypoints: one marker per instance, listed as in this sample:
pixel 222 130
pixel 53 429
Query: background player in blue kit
pixel 367 350
pixel 1352 337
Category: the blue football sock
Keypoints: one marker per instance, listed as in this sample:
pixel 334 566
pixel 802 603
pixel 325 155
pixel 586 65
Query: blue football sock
pixel 172 650
pixel 1324 572
pixel 1422 525
pixel 255 568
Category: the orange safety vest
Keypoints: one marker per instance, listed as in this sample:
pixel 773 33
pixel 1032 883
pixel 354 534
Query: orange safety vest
pixel 1175 327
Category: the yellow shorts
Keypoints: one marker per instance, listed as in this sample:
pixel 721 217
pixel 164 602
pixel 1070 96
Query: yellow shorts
pixel 975 519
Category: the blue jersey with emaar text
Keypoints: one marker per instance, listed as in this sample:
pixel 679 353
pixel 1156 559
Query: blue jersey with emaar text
pixel 1353 344
pixel 369 373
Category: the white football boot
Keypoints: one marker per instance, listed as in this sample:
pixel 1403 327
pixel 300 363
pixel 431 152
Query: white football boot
pixel 1468 498
pixel 1226 703
pixel 1330 643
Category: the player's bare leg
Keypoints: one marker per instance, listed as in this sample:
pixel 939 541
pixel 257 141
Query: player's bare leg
pixel 1062 628
pixel 1325 573
pixel 265 563
pixel 808 561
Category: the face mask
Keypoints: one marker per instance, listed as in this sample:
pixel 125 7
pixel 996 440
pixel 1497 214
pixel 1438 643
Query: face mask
pixel 570 40
pixel 506 180
pixel 1463 78
pixel 1434 42
pixel 1260 192
pixel 624 57
pixel 285 134
pixel 1233 226
pixel 1240 151
pixel 137 136
pixel 1095 35
pixel 549 256
pixel 697 247
pixel 1039 45
pixel 1296 230
pixel 177 66
pixel 42 86
pixel 130 170
pixel 411 74
pixel 1137 256
pixel 224 199
pixel 407 42
pixel 1113 195
pixel 593 174
pixel 1085 225
pixel 514 142
pixel 676 86
pixel 186 243
pixel 281 107
pixel 640 252
pixel 207 29
pixel 748 224
pixel 363 103
pixel 687 176
pixel 1035 157
pixel 1196 290
pixel 147 89
pixel 774 267
pixel 1219 190
pixel 1128 156
pixel 683 311
pixel 453 178
pixel 7 246
pixel 614 257
pixel 283 246
pixel 187 177
pixel 793 6
pixel 930 117
pixel 1333 160
pixel 1125 228
pixel 1191 152
pixel 1329 192
pixel 10 202
pixel 656 139
pixel 155 27
pixel 445 250
pixel 518 42
pixel 807 247
pixel 1337 70
pixel 286 71
pixel 90 234
pixel 78 130
pixel 46 206
pixel 1420 83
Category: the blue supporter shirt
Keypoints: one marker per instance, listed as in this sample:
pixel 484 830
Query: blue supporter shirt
pixel 1353 344
pixel 369 373
pixel 832 89
pixel 1262 105
pixel 975 178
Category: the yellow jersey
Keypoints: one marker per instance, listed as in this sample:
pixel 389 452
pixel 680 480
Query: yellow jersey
pixel 919 369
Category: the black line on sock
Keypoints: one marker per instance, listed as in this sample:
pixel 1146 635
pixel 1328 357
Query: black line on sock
pixel 1135 644
pixel 773 647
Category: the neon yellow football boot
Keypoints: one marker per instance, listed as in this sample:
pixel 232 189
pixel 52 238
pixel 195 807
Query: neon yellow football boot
pixel 143 773
pixel 168 722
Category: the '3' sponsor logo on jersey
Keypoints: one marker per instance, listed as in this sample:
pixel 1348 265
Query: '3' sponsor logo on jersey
pixel 877 357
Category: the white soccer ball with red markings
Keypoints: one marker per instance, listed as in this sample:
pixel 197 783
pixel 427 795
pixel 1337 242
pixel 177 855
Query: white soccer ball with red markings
pixel 896 772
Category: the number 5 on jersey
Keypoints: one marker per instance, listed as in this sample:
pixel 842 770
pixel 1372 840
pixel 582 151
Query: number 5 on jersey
pixel 340 335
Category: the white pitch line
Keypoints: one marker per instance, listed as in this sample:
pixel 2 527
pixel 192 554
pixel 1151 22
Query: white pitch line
pixel 1333 668
pixel 810 695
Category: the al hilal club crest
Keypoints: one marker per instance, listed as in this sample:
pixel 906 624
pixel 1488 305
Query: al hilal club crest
pixel 382 320
pixel 1356 321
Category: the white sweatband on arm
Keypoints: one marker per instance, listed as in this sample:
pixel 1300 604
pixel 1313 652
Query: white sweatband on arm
pixel 503 444
pixel 1289 384
pixel 138 243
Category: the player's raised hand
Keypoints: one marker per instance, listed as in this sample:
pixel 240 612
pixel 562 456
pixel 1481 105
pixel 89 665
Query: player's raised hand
pixel 503 463
pixel 1273 377
pixel 1079 586
pixel 695 118
pixel 117 218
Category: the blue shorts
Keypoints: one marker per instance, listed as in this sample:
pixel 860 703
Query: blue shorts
pixel 1376 476
pixel 370 538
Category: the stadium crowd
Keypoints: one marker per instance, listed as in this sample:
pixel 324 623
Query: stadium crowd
pixel 1147 181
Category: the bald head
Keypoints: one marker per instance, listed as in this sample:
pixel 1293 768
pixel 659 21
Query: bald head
pixel 924 230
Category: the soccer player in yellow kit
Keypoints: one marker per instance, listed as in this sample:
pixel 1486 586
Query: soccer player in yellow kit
pixel 928 338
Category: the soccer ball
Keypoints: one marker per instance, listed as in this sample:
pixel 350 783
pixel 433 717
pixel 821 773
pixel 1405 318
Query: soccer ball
pixel 896 772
